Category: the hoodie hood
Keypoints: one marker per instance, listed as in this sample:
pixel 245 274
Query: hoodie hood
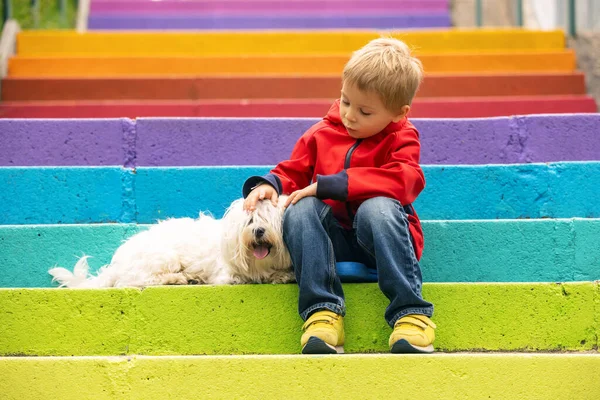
pixel 333 116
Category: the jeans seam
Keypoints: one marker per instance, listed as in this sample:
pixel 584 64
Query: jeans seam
pixel 365 248
pixel 324 212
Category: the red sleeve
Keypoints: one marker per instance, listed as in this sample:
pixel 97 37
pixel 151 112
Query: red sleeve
pixel 401 177
pixel 297 172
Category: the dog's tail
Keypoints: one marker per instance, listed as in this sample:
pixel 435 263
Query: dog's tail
pixel 77 278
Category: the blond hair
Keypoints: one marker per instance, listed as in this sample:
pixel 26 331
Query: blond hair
pixel 387 67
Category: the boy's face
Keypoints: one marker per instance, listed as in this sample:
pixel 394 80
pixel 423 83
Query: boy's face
pixel 363 113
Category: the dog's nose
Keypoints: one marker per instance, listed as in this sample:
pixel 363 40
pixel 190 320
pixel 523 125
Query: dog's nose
pixel 259 232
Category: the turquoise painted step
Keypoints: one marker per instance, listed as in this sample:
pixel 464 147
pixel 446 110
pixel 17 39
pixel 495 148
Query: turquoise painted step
pixel 539 250
pixel 263 319
pixel 360 376
pixel 112 194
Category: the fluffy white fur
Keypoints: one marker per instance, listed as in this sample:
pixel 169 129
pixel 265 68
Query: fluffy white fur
pixel 240 248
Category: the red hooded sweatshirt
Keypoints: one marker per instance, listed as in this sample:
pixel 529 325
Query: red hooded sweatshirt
pixel 350 171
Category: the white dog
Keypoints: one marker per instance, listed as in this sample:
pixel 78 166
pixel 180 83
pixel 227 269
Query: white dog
pixel 240 248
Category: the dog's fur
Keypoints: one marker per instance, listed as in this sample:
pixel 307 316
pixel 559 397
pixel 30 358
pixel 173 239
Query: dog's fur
pixel 240 248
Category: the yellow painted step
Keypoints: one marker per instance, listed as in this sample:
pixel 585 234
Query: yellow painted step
pixel 361 376
pixel 22 66
pixel 277 42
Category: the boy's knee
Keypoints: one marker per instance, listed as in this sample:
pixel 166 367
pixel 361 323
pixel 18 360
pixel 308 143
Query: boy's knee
pixel 298 212
pixel 378 209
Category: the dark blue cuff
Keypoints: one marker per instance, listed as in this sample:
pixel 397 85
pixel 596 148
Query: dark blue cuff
pixel 333 187
pixel 254 181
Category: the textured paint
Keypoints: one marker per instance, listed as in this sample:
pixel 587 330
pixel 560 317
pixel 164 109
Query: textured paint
pixel 271 21
pixel 456 376
pixel 253 141
pixel 27 252
pixel 455 251
pixel 264 6
pixel 103 194
pixel 556 190
pixel 279 87
pixel 281 65
pixel 73 323
pixel 278 42
pixel 450 107
pixel 64 195
pixel 366 376
pixel 536 138
pixel 66 142
pixel 262 319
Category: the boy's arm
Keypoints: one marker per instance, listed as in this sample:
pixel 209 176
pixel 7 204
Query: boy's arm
pixel 290 175
pixel 401 177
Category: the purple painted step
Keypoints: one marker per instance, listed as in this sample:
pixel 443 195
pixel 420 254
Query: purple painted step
pixel 43 142
pixel 286 21
pixel 265 141
pixel 262 6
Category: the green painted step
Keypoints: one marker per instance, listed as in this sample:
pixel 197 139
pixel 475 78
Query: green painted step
pixel 360 376
pixel 262 319
pixel 537 250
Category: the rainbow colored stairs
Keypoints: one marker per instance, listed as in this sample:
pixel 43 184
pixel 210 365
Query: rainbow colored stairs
pixel 471 73
pixel 510 214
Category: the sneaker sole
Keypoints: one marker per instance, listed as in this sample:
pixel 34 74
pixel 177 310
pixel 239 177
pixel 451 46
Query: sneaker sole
pixel 402 346
pixel 319 346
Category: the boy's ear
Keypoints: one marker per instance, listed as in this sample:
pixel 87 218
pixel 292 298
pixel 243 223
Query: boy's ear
pixel 403 111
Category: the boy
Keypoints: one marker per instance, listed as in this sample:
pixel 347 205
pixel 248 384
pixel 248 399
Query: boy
pixel 351 180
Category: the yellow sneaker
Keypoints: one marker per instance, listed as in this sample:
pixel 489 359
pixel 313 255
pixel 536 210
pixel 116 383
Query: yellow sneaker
pixel 413 333
pixel 323 333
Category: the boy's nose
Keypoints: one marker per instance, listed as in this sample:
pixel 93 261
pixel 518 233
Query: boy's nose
pixel 350 117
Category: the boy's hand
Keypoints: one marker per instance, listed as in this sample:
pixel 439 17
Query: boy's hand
pixel 310 190
pixel 261 192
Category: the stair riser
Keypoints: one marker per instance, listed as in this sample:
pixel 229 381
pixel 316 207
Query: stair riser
pixel 450 107
pixel 213 142
pixel 246 319
pixel 236 88
pixel 460 376
pixel 490 251
pixel 49 195
pixel 279 42
pixel 291 65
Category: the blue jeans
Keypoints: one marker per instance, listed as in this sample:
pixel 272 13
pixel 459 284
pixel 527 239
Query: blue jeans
pixel 379 239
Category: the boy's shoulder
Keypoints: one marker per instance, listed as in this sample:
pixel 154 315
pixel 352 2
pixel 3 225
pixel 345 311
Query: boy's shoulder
pixel 323 125
pixel 402 129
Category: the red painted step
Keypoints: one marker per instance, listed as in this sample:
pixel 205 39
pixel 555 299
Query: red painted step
pixel 456 107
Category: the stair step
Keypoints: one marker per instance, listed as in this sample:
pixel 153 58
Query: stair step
pixel 490 250
pixel 262 319
pixel 46 195
pixel 277 87
pixel 448 107
pixel 433 377
pixel 388 20
pixel 20 66
pixel 53 43
pixel 227 141
pixel 263 6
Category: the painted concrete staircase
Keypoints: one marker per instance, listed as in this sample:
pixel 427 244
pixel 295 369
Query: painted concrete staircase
pixel 510 213
pixel 500 235
pixel 469 73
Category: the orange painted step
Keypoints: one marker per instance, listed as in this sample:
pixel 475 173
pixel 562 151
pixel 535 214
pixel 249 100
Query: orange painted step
pixel 451 107
pixel 273 87
pixel 19 66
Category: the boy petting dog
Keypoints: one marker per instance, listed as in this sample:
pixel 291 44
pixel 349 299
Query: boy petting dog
pixel 351 181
